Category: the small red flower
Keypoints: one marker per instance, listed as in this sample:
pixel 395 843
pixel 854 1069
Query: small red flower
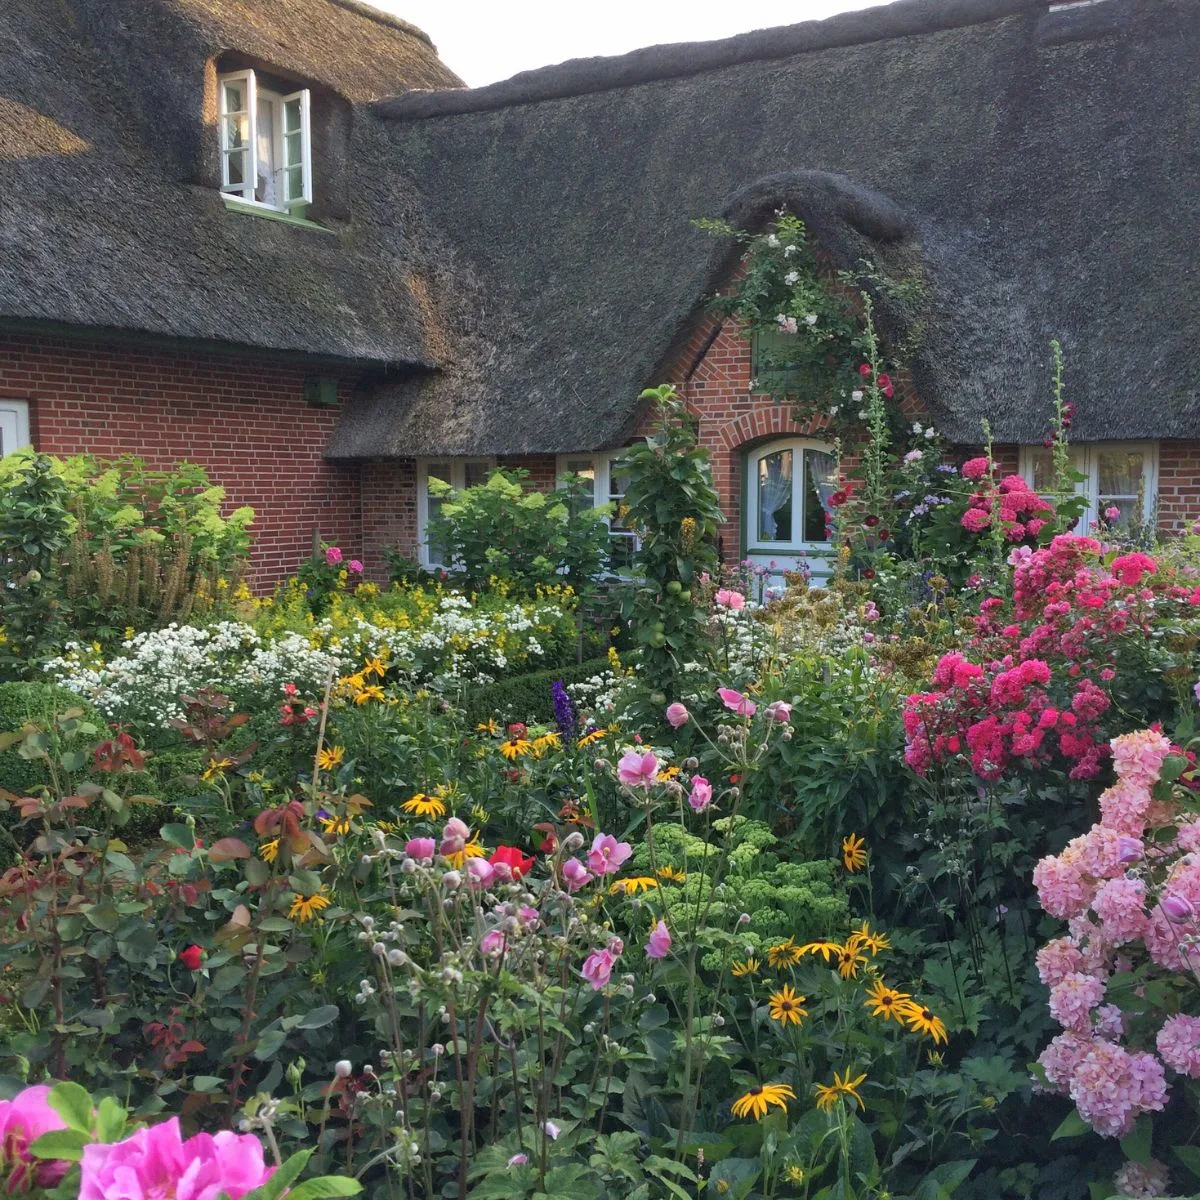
pixel 512 858
pixel 192 957
pixel 517 730
pixel 871 521
pixel 838 499
pixel 884 380
pixel 865 370
pixel 884 534
pixel 869 573
pixel 735 779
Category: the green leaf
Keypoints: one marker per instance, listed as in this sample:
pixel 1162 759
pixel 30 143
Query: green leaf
pixel 207 1083
pixel 319 1017
pixel 1190 1157
pixel 269 1044
pixel 103 916
pixel 1136 1144
pixel 111 1119
pixel 179 835
pixel 287 1174
pixel 326 1185
pixel 64 1144
pixel 73 1104
pixel 1072 1126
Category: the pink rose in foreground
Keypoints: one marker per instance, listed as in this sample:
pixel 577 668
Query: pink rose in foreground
pixel 659 943
pixel 598 968
pixel 727 598
pixel 422 849
pixel 575 874
pixel 607 854
pixel 637 769
pixel 355 566
pixel 677 715
pixel 779 710
pixel 700 797
pixel 736 702
pixel 23 1120
pixel 333 556
pixel 158 1162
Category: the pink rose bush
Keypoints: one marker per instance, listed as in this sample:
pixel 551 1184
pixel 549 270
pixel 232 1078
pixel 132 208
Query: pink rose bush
pixel 1129 952
pixel 1036 687
pixel 23 1120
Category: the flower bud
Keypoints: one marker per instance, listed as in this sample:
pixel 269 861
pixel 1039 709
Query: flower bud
pixel 1176 907
pixel 342 1068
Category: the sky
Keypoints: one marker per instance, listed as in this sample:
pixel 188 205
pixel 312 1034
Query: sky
pixel 486 40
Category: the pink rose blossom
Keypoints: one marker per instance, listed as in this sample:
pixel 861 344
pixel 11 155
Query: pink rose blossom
pixel 157 1162
pixel 736 702
pixel 607 854
pixel 637 769
pixel 598 968
pixel 575 874
pixel 700 797
pixel 659 943
pixel 23 1120
pixel 677 715
pixel 355 566
pixel 422 849
pixel 333 556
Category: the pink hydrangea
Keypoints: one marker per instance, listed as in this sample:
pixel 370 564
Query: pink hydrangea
pixel 23 1120
pixel 976 520
pixel 1142 1181
pixel 607 854
pixel 1120 905
pixel 1058 959
pixel 637 768
pixel 1061 888
pixel 1112 1087
pixel 975 468
pixel 1072 1001
pixel 1124 806
pixel 1189 837
pixel 1178 1043
pixel 1061 1057
pixel 1139 756
pixel 158 1162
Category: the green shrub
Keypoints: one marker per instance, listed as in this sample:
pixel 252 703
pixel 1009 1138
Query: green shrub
pixel 526 697
pixel 36 704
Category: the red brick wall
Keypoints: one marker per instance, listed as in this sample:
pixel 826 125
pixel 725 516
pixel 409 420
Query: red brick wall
pixel 242 419
pixel 1178 485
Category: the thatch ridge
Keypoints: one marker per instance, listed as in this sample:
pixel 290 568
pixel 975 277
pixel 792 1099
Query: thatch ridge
pixel 1035 187
pixel 580 76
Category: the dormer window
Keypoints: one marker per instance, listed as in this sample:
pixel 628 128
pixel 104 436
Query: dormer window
pixel 266 143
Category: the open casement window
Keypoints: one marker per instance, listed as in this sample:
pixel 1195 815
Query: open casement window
pixel 459 473
pixel 786 505
pixel 609 482
pixel 1121 475
pixel 266 143
pixel 14 425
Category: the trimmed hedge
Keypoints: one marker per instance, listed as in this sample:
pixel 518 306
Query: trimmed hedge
pixel 526 697
pixel 37 704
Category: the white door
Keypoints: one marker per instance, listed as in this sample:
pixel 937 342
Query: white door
pixel 14 425
pixel 787 489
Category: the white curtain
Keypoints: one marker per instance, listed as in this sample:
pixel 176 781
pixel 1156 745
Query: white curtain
pixel 774 493
pixel 821 472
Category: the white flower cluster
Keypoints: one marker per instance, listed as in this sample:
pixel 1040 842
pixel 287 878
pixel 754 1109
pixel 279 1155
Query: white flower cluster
pixel 599 695
pixel 143 685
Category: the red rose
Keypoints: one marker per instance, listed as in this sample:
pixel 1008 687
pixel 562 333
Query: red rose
pixel 888 391
pixel 865 370
pixel 192 957
pixel 884 381
pixel 512 858
pixel 884 534
pixel 837 499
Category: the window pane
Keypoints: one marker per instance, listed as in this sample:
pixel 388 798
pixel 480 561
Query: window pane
pixel 1041 463
pixel 433 506
pixel 268 152
pixel 1127 505
pixel 621 548
pixel 775 518
pixel 291 124
pixel 819 485
pixel 235 168
pixel 475 473
pixel 1119 472
pixel 235 100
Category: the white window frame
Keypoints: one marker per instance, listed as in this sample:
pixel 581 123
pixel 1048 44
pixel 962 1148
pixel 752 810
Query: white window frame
pixel 798 446
pixel 246 189
pixel 601 467
pixel 1085 458
pixel 14 416
pixel 458 481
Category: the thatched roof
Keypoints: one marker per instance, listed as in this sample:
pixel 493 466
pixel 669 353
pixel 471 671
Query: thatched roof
pixel 1037 170
pixel 111 220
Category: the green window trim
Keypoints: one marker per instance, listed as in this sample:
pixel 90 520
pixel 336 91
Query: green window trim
pixel 288 218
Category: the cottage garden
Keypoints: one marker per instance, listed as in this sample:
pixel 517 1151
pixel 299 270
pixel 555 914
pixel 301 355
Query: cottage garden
pixel 527 879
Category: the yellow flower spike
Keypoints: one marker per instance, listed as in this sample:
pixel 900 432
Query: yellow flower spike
pixel 842 1085
pixel 269 851
pixel 747 966
pixel 422 805
pixel 854 852
pixel 758 1099
pixel 784 1006
pixel 304 908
